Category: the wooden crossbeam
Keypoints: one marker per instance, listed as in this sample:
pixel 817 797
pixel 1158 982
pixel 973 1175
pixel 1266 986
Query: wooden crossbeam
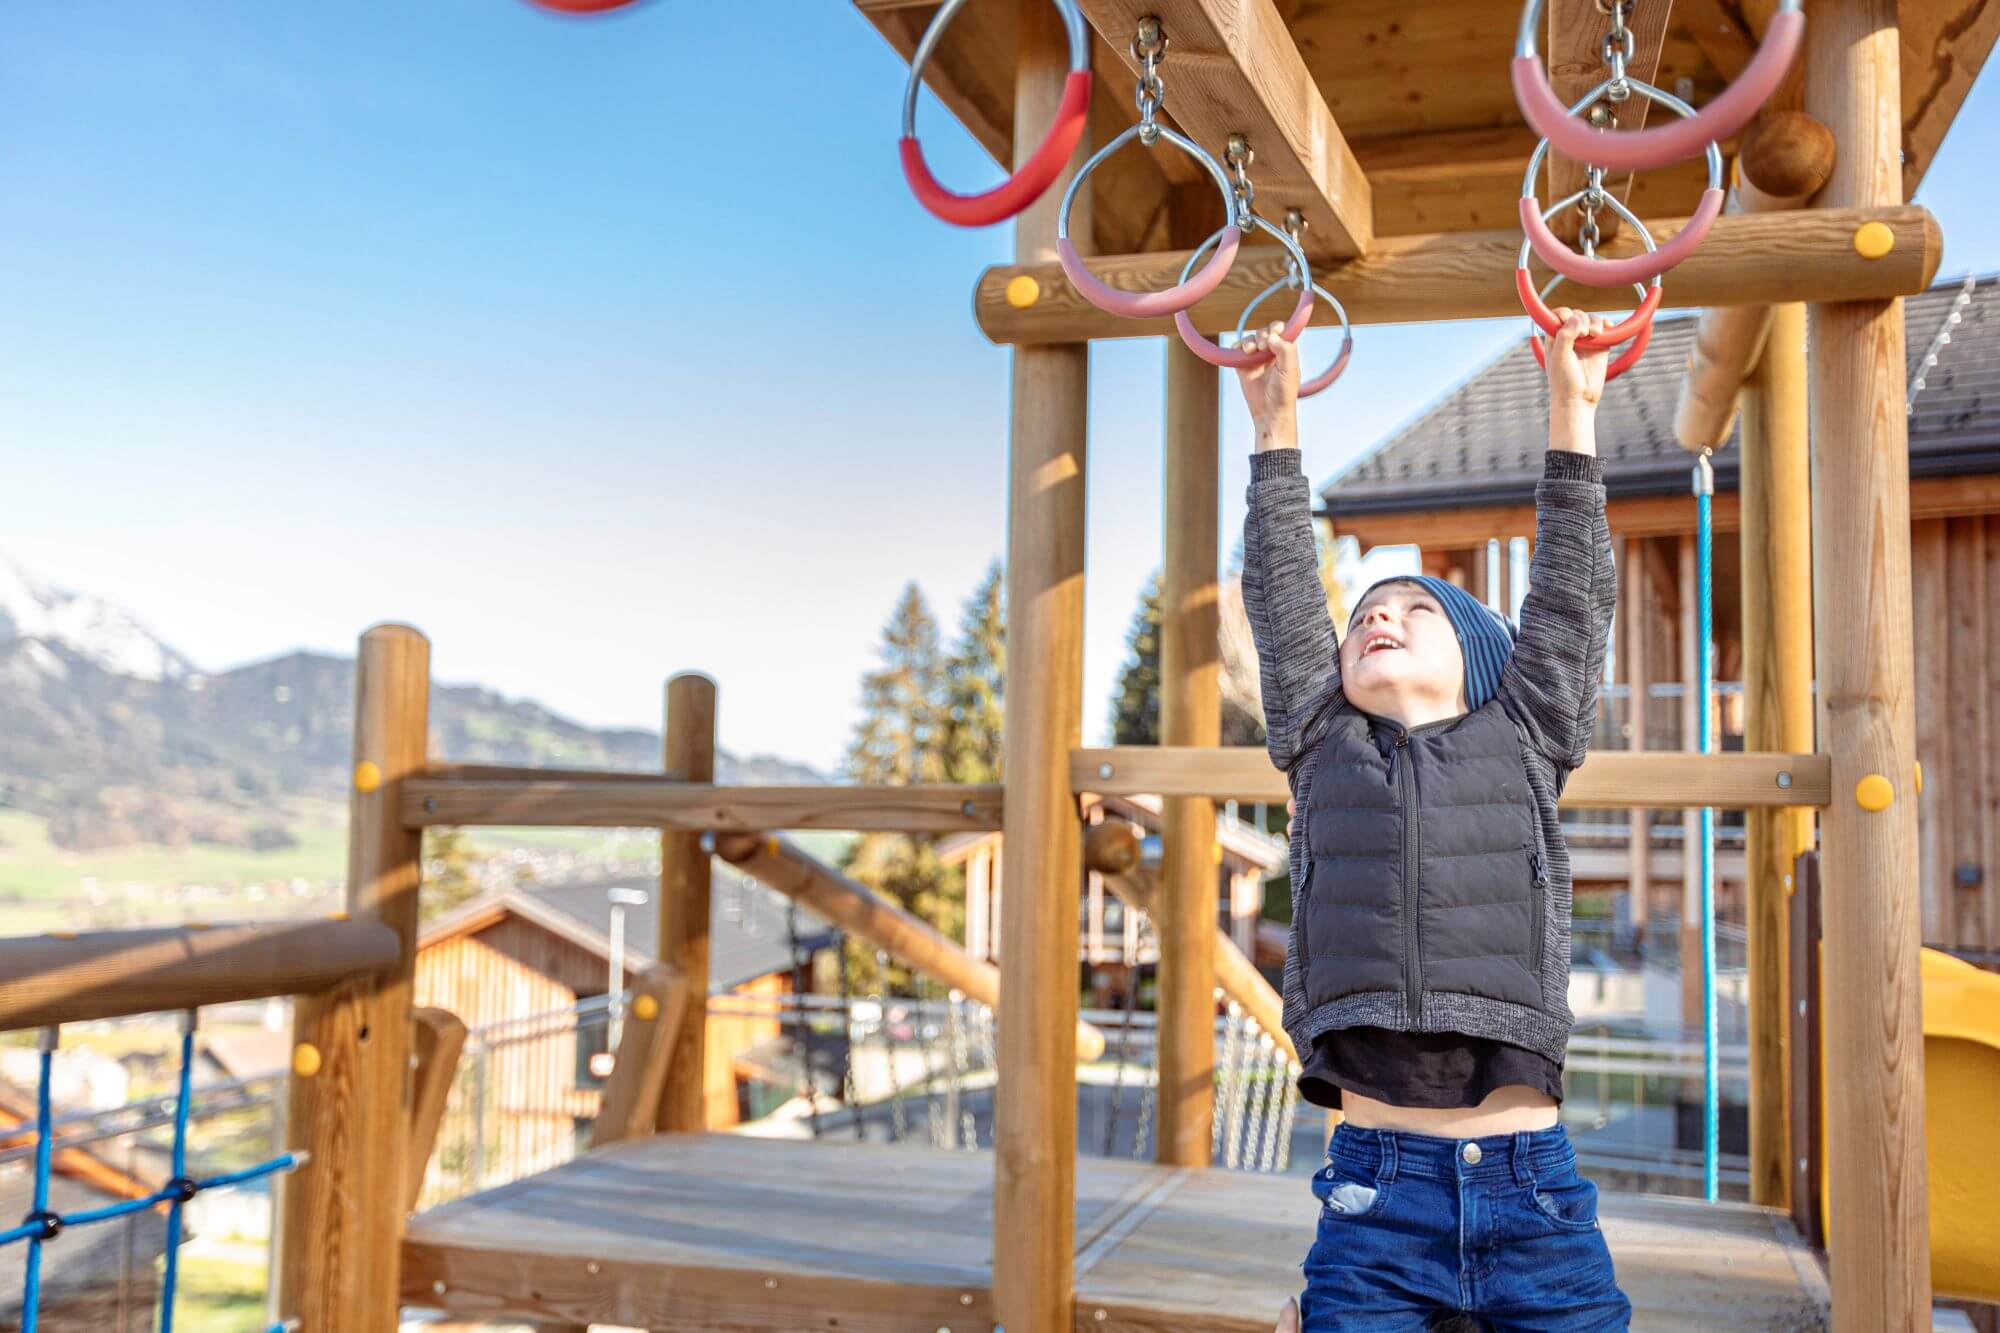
pixel 1233 68
pixel 620 800
pixel 1610 779
pixel 1945 43
pixel 1747 259
pixel 110 973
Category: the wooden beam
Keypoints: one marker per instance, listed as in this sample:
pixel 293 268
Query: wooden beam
pixel 1944 44
pixel 1747 259
pixel 79 977
pixel 697 807
pixel 1190 714
pixel 1034 1110
pixel 1776 573
pixel 867 915
pixel 1880 1239
pixel 1719 34
pixel 689 754
pixel 1233 68
pixel 437 1040
pixel 349 1105
pixel 1647 516
pixel 1237 975
pixel 645 1055
pixel 1670 780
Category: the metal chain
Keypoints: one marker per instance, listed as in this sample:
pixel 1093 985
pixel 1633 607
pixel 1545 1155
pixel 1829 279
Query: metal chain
pixel 1241 155
pixel 1295 227
pixel 1620 46
pixel 1229 1038
pixel 1149 48
pixel 898 1114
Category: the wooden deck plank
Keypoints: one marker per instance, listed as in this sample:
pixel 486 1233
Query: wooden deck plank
pixel 681 1233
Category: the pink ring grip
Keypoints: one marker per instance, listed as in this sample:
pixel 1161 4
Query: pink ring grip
pixel 1325 378
pixel 1641 150
pixel 1026 185
pixel 1231 358
pixel 1623 362
pixel 1626 329
pixel 1642 267
pixel 580 6
pixel 1150 305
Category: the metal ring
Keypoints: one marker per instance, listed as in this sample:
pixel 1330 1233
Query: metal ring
pixel 1150 304
pixel 1326 377
pixel 1034 176
pixel 1214 353
pixel 1727 113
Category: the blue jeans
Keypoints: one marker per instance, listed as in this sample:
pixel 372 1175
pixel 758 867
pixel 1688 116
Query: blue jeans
pixel 1414 1229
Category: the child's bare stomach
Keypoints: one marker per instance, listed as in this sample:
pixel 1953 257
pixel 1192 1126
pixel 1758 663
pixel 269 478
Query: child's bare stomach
pixel 1505 1111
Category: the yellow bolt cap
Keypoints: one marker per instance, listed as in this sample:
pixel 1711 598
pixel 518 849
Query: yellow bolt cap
pixel 1920 777
pixel 1874 793
pixel 1872 240
pixel 1023 291
pixel 367 776
pixel 305 1059
pixel 645 1008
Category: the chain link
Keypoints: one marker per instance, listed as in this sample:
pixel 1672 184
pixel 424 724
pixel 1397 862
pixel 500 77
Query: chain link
pixel 1620 46
pixel 1149 48
pixel 1241 155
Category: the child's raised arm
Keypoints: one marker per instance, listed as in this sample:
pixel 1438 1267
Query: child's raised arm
pixel 1297 660
pixel 1550 685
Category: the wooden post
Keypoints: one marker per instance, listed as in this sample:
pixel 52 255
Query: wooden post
pixel 1190 714
pixel 1879 1239
pixel 349 1104
pixel 1638 610
pixel 684 903
pixel 1776 546
pixel 1034 1164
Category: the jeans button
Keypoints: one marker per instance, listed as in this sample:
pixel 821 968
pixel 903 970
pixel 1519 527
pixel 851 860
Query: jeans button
pixel 1471 1154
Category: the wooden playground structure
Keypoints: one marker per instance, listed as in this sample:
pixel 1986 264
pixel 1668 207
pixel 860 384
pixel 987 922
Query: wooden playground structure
pixel 1391 130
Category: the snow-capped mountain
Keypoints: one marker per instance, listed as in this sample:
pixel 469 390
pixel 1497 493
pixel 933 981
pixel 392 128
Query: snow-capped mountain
pixel 108 636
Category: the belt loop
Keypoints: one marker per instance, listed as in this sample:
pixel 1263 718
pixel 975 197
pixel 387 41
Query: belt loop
pixel 1524 1169
pixel 1386 1168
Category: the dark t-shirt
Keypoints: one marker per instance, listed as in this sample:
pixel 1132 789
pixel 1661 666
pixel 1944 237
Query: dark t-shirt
pixel 1430 1069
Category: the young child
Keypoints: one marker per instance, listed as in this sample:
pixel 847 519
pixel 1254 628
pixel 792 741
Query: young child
pixel 1427 978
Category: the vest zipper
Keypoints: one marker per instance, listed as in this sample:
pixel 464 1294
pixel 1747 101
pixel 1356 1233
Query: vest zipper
pixel 1406 781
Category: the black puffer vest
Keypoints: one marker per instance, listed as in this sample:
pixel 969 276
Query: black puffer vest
pixel 1426 871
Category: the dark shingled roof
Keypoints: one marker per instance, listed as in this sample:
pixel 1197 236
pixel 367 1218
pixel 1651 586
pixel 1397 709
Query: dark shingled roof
pixel 1482 443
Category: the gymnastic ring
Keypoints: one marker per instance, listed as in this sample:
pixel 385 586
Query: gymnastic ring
pixel 1229 357
pixel 1033 176
pixel 1326 377
pixel 1626 359
pixel 1190 289
pixel 574 7
pixel 1656 259
pixel 1538 310
pixel 1640 150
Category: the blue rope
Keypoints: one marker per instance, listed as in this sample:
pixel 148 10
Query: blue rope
pixel 43 1223
pixel 1704 487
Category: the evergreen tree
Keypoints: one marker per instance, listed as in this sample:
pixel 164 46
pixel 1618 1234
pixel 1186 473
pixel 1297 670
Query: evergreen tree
pixel 975 685
pixel 1135 707
pixel 451 871
pixel 900 740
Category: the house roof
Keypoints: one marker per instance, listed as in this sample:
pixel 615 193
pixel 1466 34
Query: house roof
pixel 1242 844
pixel 1482 443
pixel 748 935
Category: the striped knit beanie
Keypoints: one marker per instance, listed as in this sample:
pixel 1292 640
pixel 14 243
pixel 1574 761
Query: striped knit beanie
pixel 1485 637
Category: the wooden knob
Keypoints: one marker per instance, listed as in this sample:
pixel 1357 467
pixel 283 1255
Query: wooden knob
pixel 1787 154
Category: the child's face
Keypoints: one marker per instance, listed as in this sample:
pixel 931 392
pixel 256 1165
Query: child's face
pixel 1401 658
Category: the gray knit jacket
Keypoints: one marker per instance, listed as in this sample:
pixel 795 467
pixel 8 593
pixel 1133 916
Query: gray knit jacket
pixel 1548 693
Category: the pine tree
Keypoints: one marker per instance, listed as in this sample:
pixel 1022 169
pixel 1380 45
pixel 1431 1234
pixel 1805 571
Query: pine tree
pixel 900 740
pixel 1135 707
pixel 451 871
pixel 975 685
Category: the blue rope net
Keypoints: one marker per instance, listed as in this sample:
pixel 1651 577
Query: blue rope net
pixel 44 1224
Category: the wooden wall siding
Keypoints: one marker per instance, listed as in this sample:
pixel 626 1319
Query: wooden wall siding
pixel 1955 569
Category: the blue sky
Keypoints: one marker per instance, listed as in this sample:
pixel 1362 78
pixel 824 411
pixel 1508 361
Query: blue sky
pixel 596 349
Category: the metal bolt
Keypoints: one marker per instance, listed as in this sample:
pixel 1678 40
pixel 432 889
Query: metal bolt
pixel 770 1284
pixel 437 1287
pixel 1104 770
pixel 1101 1316
pixel 1784 781
pixel 1802 1008
pixel 965 1298
pixel 430 805
pixel 967 809
pixel 1600 115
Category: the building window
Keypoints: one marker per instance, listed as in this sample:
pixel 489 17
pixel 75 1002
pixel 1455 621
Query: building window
pixel 592 1041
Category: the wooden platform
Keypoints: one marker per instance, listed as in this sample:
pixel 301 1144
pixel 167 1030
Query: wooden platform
pixel 698 1232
